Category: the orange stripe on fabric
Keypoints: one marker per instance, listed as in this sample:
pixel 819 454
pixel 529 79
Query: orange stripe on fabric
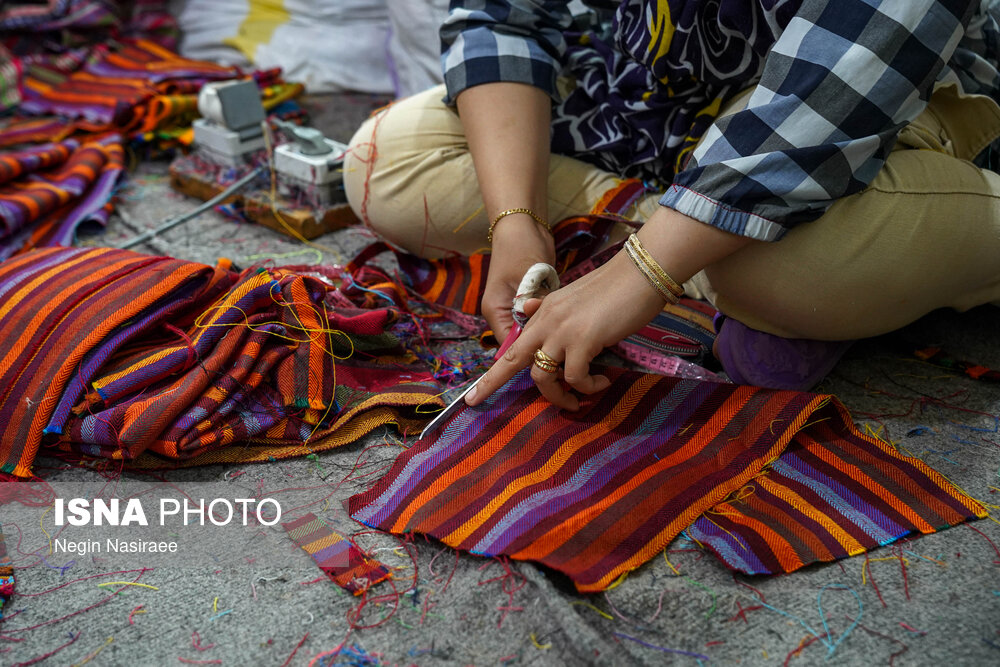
pixel 555 537
pixel 482 455
pixel 439 282
pixel 717 495
pixel 851 545
pixel 969 503
pixel 859 476
pixel 471 299
pixel 615 417
pixel 782 550
pixel 73 359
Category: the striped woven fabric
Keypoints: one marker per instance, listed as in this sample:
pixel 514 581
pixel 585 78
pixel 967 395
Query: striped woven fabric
pixel 45 207
pixel 6 574
pixel 595 494
pixel 111 353
pixel 830 495
pixel 344 563
pixel 15 132
pixel 118 91
pixel 458 282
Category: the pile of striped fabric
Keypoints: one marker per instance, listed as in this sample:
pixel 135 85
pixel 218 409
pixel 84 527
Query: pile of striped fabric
pixel 153 360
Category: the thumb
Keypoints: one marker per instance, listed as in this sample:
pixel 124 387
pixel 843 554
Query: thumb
pixel 531 306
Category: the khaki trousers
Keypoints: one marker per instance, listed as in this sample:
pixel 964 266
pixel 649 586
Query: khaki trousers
pixel 925 234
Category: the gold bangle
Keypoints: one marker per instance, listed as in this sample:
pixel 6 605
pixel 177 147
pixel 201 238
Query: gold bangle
pixel 654 266
pixel 512 211
pixel 650 277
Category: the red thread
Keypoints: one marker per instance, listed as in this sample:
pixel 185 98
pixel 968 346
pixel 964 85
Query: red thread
pixel 295 650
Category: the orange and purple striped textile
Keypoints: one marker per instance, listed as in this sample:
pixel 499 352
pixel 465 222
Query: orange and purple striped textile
pixel 112 353
pixel 597 493
pixel 48 191
pixel 345 564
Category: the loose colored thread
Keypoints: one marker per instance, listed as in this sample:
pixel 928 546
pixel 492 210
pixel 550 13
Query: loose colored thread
pixel 95 653
pixel 910 628
pixel 137 610
pixel 831 646
pixel 35 661
pixel 126 583
pixel 803 644
pixel 867 566
pixel 541 647
pixel 661 648
pixel 581 603
pixel 196 642
pixel 302 641
pixel 892 656
pixel 199 662
pixel 221 614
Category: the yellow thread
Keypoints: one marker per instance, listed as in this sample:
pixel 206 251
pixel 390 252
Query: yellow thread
pixel 587 604
pixel 467 220
pixel 126 583
pixel 738 540
pixel 215 605
pixel 543 647
pixel 669 564
pixel 40 519
pixel 94 654
pixel 618 581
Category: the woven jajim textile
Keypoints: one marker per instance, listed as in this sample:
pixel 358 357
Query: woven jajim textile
pixel 122 89
pixel 597 493
pixel 48 191
pixel 6 574
pixel 344 563
pixel 111 353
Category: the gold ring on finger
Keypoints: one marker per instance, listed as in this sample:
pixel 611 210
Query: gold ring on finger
pixel 545 362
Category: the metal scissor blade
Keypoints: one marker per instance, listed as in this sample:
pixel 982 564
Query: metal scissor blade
pixel 451 409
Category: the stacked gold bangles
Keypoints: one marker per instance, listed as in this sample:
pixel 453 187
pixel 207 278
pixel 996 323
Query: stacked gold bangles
pixel 545 362
pixel 666 286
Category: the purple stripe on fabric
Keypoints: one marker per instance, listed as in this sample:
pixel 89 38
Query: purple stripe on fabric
pixel 867 518
pixel 94 200
pixel 96 358
pixel 22 276
pixel 649 436
pixel 451 441
pixel 725 545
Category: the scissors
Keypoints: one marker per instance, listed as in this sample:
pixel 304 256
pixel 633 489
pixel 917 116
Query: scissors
pixel 538 281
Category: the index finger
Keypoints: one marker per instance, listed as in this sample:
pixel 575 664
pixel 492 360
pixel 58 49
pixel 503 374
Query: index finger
pixel 518 356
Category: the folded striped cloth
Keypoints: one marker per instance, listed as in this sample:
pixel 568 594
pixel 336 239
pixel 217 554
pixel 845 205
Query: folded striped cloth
pixel 48 191
pixel 771 480
pixel 111 353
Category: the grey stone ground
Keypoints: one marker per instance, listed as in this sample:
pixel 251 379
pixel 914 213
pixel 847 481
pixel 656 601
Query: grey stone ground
pixel 464 610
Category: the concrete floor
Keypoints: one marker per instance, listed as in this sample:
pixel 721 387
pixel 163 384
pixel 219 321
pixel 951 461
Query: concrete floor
pixel 680 608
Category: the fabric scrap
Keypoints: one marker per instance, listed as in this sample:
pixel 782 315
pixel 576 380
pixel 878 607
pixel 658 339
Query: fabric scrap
pixel 6 574
pixel 597 493
pixel 345 564
pixel 942 358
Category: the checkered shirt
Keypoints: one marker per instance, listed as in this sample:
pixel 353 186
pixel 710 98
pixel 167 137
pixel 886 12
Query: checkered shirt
pixel 836 80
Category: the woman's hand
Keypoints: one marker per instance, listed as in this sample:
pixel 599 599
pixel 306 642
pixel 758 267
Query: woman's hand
pixel 572 325
pixel 518 242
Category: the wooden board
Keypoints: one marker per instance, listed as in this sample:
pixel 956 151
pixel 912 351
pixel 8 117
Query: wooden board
pixel 256 205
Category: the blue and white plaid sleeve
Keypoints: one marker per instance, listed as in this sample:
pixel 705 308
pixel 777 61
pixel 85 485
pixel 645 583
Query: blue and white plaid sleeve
pixel 841 81
pixel 487 41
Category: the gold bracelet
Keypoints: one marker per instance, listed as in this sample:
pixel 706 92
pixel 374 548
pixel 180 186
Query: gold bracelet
pixel 650 277
pixel 654 266
pixel 512 211
pixel 652 271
